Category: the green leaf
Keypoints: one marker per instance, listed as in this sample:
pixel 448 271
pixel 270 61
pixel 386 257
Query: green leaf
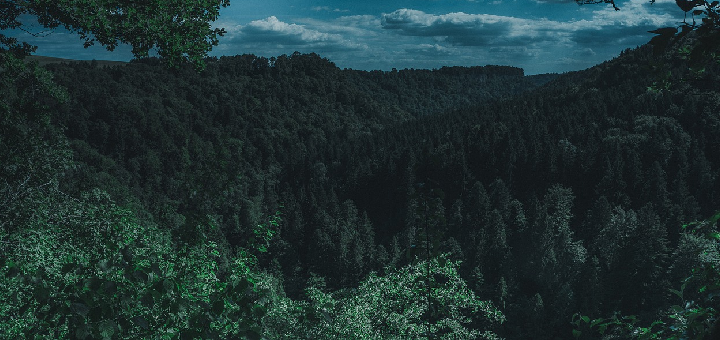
pixel 41 294
pixel 13 269
pixel 252 334
pixel 140 322
pixel 66 268
pixel 96 314
pixel 218 307
pixel 82 332
pixel 576 333
pixel 24 309
pixel 110 288
pixel 107 329
pixel 140 275
pixel 147 300
pixel 168 286
pixel 79 308
pixel 190 334
pixel 155 268
pixel 714 218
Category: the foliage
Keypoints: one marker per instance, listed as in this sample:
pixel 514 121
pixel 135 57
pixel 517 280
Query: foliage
pixel 393 306
pixel 704 38
pixel 552 199
pixel 176 30
pixel 86 269
pixel 696 317
pixel 137 208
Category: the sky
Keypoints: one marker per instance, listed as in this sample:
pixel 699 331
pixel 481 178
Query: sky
pixel 541 36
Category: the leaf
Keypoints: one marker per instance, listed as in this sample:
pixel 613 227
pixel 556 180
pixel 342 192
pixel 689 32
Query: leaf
pixel 79 308
pixel 715 217
pixel 107 329
pixel 110 288
pixel 241 286
pixel 218 307
pixel 24 309
pixel 190 334
pixel 175 307
pixel 41 294
pixel 141 322
pixel 685 5
pixel 156 269
pixel 168 286
pixel 677 309
pixel 576 333
pixel 96 314
pixel 82 332
pixel 147 300
pixel 140 275
pixel 66 268
pixel 13 270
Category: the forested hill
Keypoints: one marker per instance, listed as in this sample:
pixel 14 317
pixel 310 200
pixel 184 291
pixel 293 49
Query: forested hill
pixel 558 194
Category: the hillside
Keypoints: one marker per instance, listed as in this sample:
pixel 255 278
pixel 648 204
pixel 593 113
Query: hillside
pixel 542 196
pixel 43 60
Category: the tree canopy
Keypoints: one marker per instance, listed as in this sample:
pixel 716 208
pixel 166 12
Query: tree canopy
pixel 176 30
pixel 706 33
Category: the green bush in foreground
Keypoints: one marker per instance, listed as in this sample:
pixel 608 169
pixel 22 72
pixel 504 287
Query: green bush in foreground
pixel 87 269
pixel 394 306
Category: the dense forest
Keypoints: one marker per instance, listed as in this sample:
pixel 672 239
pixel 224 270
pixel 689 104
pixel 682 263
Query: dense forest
pixel 285 198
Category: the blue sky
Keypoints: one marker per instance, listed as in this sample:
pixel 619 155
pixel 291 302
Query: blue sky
pixel 540 36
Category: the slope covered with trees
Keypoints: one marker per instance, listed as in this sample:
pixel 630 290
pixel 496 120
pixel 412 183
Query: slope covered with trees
pixel 454 202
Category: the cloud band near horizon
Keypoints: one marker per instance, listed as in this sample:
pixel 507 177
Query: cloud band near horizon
pixel 548 37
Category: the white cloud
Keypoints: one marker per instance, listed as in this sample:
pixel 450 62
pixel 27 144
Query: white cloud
pixel 271 31
pixel 413 38
pixel 430 50
pixel 606 26
pixel 463 29
pixel 328 9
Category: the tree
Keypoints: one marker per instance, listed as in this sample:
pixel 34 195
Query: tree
pixel 696 316
pixel 86 268
pixel 392 306
pixel 177 30
pixel 701 51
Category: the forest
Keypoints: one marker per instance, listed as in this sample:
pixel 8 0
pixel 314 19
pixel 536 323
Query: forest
pixel 286 198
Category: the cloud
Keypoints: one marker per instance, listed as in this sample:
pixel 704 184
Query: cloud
pixel 271 31
pixel 431 50
pixel 605 27
pixel 328 9
pixel 463 29
pixel 584 52
pixel 514 52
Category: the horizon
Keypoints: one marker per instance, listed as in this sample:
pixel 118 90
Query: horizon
pixel 539 36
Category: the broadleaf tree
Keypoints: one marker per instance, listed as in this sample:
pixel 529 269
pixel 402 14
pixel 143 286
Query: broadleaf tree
pixel 176 30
